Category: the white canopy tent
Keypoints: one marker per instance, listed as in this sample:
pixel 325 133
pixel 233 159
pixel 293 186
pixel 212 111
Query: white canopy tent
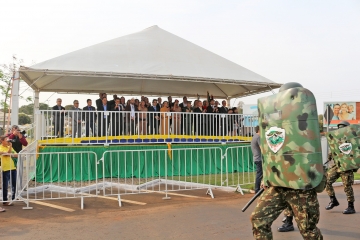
pixel 149 62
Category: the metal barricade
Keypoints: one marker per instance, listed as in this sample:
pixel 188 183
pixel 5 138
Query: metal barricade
pixel 160 170
pixel 240 168
pixel 56 175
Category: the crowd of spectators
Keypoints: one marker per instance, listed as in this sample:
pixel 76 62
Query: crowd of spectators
pixel 140 116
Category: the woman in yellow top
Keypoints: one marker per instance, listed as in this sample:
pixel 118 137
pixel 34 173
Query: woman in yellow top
pixel 164 124
pixel 8 169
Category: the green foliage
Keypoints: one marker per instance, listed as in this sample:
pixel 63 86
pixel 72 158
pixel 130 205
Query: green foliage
pixel 6 76
pixel 24 119
pixel 321 126
pixel 29 109
pixel 68 107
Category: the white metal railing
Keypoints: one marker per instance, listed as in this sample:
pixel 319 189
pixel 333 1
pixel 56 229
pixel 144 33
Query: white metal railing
pixel 161 170
pixel 120 126
pixel 63 175
pixel 56 175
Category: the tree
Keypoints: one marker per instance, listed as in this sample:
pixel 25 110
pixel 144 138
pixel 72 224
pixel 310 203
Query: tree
pixel 24 119
pixel 6 77
pixel 68 107
pixel 29 109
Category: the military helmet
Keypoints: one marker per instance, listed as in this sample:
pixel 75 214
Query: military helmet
pixel 289 85
pixel 343 124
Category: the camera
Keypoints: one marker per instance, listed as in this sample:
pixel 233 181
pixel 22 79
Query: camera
pixel 11 140
pixel 23 132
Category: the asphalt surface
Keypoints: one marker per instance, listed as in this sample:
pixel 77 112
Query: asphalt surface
pixel 178 218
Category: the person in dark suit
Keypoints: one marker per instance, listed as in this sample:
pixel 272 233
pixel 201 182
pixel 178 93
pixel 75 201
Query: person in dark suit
pixel 199 119
pixel 159 102
pixel 98 102
pixel 154 117
pixel 212 120
pixel 58 118
pixel 117 118
pixel 183 105
pixel 112 102
pixel 89 116
pixel 187 118
pixel 103 118
pixel 223 120
pixel 131 118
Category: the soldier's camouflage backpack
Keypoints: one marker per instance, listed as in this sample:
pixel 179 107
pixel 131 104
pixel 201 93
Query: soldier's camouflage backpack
pixel 290 139
pixel 345 147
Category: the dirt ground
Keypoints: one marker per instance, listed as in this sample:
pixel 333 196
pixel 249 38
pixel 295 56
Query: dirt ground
pixel 197 217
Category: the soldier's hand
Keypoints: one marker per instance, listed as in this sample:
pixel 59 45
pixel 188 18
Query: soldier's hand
pixel 263 186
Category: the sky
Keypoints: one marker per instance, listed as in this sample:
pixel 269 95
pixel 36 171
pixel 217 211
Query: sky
pixel 315 43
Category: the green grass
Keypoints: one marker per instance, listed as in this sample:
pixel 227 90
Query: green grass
pixel 356 177
pixel 232 179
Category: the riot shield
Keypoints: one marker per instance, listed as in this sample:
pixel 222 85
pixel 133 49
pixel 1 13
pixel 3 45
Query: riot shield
pixel 345 147
pixel 290 139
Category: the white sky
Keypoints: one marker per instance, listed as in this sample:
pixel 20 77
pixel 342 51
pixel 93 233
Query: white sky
pixel 316 43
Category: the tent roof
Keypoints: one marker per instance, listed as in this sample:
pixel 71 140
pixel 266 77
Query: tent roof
pixel 150 62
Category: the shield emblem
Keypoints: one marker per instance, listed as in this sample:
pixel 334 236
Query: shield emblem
pixel 275 138
pixel 345 148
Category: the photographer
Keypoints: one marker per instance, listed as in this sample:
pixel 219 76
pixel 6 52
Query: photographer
pixel 17 138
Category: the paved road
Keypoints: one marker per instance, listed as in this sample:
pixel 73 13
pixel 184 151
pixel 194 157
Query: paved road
pixel 178 218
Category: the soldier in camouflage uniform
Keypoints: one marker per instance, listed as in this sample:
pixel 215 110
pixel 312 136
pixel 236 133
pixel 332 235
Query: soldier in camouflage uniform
pixel 347 178
pixel 290 143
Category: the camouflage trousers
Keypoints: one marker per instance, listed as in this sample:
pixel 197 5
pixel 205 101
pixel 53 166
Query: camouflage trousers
pixel 274 200
pixel 288 212
pixel 347 178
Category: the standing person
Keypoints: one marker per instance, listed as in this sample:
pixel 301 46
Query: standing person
pixel 286 159
pixel 89 115
pixel 335 172
pixel 212 118
pixel 182 106
pixel 176 116
pixel 131 118
pixel 58 118
pixel 117 118
pixel 164 114
pixel 98 101
pixel 199 119
pixel 188 118
pixel 76 119
pixel 8 169
pixel 154 117
pixel 142 118
pixel 223 120
pixel 112 102
pixel 159 104
pixel 17 138
pixel 255 148
pixel 103 118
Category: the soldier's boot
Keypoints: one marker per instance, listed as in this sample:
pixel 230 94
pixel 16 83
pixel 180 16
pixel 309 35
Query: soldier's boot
pixel 287 226
pixel 350 209
pixel 333 203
